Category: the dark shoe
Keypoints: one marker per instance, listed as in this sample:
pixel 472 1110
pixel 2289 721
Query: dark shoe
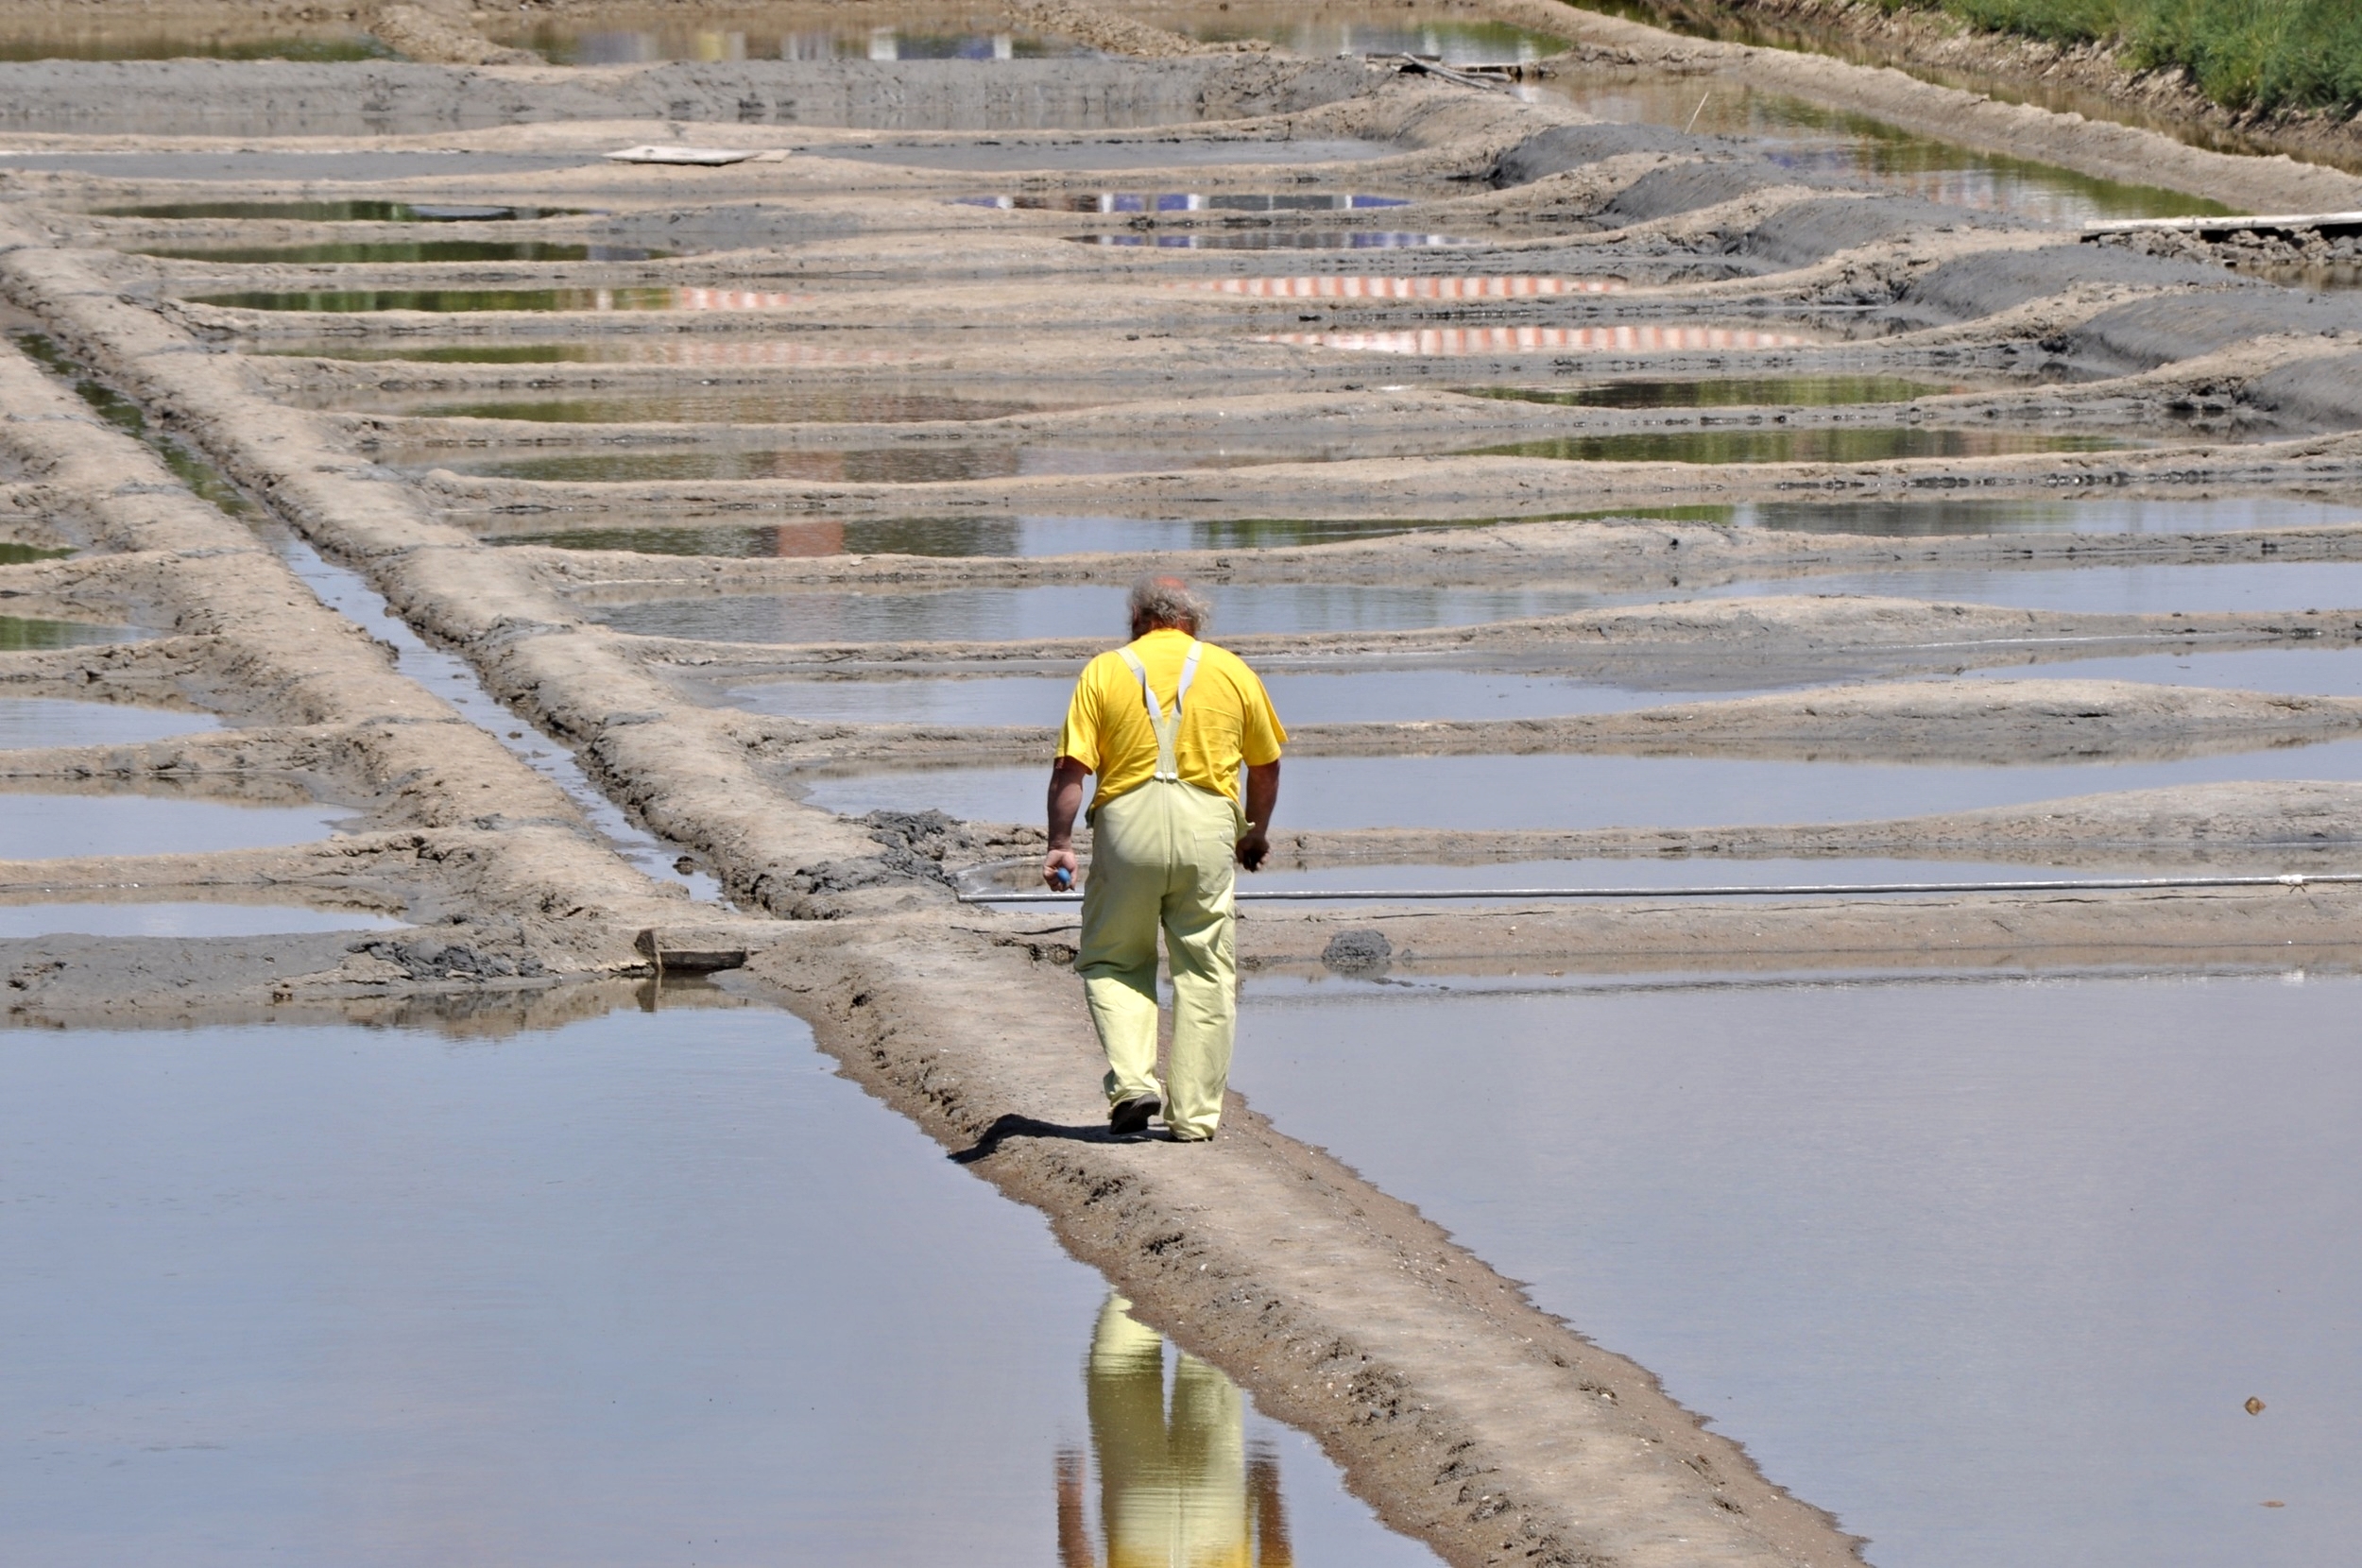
pixel 1131 1115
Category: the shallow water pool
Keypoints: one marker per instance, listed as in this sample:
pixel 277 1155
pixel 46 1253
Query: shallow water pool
pixel 42 826
pixel 1689 872
pixel 366 301
pixel 907 38
pixel 1166 153
pixel 340 211
pixel 1011 614
pixel 53 722
pixel 1725 392
pixel 2098 514
pixel 1570 792
pixel 911 465
pixel 1492 881
pixel 1185 201
pixel 1794 445
pixel 1078 535
pixel 424 250
pixel 2335 672
pixel 292 162
pixel 22 634
pixel 1279 239
pixel 997 456
pixel 834 405
pixel 184 920
pixel 1989 1270
pixel 704 350
pixel 2120 590
pixel 1378 695
pixel 645 1288
pixel 1365 696
pixel 138 42
pixel 958 537
pixel 1449 342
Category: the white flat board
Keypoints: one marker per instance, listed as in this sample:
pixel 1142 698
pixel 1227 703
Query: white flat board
pixel 700 157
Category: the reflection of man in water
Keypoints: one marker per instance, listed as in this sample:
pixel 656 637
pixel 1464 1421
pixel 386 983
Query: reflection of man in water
pixel 1176 1487
pixel 1166 724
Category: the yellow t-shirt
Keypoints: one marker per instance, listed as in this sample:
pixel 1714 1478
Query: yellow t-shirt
pixel 1227 721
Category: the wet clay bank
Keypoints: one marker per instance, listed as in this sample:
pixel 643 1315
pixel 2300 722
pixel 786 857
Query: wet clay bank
pixel 856 347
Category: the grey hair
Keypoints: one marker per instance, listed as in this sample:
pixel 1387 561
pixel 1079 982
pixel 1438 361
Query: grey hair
pixel 1167 602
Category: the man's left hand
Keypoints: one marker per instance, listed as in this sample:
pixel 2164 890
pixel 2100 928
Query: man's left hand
pixel 1252 849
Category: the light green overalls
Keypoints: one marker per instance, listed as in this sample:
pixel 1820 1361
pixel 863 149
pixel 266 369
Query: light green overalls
pixel 1162 855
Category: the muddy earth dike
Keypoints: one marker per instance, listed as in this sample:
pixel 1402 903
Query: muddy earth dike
pixel 2092 143
pixel 1471 1420
pixel 510 884
pixel 2091 77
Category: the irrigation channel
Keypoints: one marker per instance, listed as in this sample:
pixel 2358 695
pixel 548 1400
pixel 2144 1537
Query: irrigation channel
pixel 527 680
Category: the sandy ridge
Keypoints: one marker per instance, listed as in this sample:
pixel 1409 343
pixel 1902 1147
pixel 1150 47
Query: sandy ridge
pixel 2106 149
pixel 1470 1419
pixel 313 668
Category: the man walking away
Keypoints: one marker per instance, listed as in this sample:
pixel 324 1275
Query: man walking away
pixel 1166 724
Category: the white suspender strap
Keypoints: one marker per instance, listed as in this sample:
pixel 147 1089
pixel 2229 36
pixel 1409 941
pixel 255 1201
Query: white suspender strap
pixel 1166 725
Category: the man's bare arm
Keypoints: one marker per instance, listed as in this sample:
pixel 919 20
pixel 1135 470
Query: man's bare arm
pixel 1066 804
pixel 1262 800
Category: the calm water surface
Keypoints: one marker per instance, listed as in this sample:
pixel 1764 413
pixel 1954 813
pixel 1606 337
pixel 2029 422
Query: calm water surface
pixel 1609 791
pixel 645 1288
pixel 2122 590
pixel 51 722
pixel 958 537
pixel 1075 535
pixel 2099 515
pixel 1009 614
pixel 1988 1269
pixel 182 919
pixel 39 826
pixel 1365 696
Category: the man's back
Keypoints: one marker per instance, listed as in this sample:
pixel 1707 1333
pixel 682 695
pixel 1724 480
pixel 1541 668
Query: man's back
pixel 1226 718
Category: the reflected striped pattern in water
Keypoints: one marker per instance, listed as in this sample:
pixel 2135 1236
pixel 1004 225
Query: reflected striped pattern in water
pixel 759 352
pixel 736 299
pixel 1513 340
pixel 1498 287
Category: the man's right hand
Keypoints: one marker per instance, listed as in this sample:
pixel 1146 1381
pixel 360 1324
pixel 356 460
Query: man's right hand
pixel 1059 870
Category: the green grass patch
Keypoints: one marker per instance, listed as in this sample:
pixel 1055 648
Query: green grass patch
pixel 2244 54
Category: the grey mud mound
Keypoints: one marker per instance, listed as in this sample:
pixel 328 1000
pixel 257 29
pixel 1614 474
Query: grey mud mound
pixel 1815 230
pixel 667 571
